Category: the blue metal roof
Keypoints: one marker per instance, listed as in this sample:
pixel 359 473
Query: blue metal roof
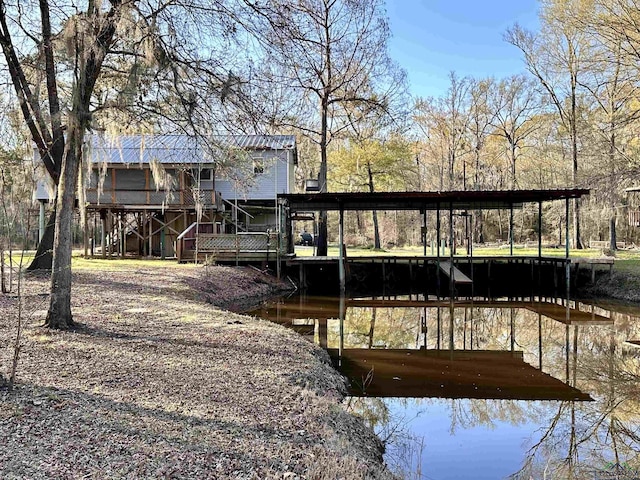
pixel 179 149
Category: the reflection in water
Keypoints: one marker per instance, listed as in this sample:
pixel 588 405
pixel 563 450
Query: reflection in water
pixel 486 389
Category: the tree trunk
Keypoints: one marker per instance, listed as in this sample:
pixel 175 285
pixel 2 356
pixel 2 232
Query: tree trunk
pixel 479 226
pixel 3 285
pixel 612 232
pixel 59 315
pixel 452 162
pixel 574 153
pixel 372 328
pixel 376 228
pixel 513 166
pixel 560 232
pixel 322 243
pixel 44 254
pixel 613 179
pixel 576 225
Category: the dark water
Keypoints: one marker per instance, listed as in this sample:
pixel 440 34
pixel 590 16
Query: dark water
pixel 486 389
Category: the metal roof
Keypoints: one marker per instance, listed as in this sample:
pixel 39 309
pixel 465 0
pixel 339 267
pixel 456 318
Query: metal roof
pixel 455 200
pixel 179 149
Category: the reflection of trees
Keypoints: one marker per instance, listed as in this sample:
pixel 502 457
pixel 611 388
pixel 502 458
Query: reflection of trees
pixel 403 450
pixel 595 439
pixel 487 413
pixel 368 327
pixel 579 439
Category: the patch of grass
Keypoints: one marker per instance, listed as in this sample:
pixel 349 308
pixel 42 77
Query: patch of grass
pixel 627 262
pixel 82 263
pixel 418 250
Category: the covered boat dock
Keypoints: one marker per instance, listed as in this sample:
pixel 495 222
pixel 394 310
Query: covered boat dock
pixel 442 204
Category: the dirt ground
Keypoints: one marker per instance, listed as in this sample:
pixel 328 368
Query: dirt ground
pixel 158 382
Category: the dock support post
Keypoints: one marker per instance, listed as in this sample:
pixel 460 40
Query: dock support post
pixel 424 232
pixel 341 271
pixel 567 350
pixel 322 332
pixel 452 283
pixel 539 245
pixel 438 250
pixel 539 230
pixel 539 340
pixel 471 263
pixel 512 329
pixel 511 230
pixel 439 328
pixel 567 265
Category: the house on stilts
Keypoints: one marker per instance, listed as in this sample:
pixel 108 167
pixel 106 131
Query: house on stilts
pixel 177 196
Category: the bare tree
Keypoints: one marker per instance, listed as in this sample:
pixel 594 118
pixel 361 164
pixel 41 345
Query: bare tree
pixel 481 117
pixel 329 54
pixel 158 47
pixel 515 101
pixel 612 82
pixel 446 121
pixel 555 57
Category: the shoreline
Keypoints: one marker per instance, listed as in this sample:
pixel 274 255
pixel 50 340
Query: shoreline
pixel 621 286
pixel 158 382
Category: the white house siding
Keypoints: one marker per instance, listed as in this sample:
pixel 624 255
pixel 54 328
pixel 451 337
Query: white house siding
pixel 263 186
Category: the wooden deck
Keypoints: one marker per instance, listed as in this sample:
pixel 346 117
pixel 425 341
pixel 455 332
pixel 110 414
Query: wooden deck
pixel 451 374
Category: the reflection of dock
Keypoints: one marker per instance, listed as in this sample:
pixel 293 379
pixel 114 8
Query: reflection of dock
pixel 452 374
pixel 551 310
pixel 576 317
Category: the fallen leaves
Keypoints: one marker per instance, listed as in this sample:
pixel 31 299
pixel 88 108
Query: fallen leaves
pixel 158 383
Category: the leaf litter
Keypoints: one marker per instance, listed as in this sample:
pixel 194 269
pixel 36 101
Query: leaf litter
pixel 159 382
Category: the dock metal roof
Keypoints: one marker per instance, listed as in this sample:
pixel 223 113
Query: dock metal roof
pixel 455 200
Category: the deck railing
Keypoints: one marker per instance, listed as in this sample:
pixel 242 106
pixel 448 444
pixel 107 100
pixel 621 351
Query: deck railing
pixel 247 242
pixel 150 197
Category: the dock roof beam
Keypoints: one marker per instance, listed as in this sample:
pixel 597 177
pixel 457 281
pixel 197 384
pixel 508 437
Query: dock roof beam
pixel 460 200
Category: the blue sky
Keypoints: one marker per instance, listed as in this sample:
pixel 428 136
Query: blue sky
pixel 430 38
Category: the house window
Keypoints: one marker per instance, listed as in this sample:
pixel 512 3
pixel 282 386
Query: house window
pixel 206 174
pixel 258 166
